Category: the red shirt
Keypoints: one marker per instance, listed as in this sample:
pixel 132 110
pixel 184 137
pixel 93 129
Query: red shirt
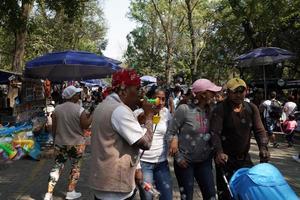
pixel 289 126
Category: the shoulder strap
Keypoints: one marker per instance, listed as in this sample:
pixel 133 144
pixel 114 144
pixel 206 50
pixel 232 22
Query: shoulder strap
pixel 248 108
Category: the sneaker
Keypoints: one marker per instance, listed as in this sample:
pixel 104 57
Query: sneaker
pixel 296 158
pixel 73 195
pixel 275 145
pixel 48 196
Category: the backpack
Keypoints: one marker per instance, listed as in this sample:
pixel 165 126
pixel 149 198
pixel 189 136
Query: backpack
pixel 275 111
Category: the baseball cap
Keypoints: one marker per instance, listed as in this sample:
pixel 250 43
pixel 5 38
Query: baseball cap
pixel 125 77
pixel 234 83
pixel 70 91
pixel 202 85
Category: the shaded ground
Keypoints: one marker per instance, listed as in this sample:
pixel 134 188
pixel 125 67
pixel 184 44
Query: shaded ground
pixel 27 179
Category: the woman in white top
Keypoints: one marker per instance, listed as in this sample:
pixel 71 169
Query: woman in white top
pixel 154 162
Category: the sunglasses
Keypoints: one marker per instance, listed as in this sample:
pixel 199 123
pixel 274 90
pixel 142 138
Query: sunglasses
pixel 239 90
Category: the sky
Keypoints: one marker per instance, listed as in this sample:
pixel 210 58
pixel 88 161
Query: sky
pixel 118 27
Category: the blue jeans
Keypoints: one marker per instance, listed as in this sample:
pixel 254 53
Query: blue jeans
pixel 157 174
pixel 203 174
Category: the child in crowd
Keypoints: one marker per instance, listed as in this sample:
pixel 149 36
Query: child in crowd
pixel 288 128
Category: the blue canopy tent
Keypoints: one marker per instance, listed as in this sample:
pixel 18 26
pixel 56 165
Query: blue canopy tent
pixel 71 65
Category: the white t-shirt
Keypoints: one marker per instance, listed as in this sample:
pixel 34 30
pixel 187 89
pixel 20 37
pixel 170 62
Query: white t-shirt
pixel 289 107
pixel 125 123
pixel 158 151
pixel 267 106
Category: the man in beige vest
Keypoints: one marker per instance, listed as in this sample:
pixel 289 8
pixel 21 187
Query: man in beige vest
pixel 117 137
pixel 69 120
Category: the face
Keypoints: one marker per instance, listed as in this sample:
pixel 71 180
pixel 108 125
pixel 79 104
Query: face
pixel 219 97
pixel 76 97
pixel 238 95
pixel 162 99
pixel 133 96
pixel 205 97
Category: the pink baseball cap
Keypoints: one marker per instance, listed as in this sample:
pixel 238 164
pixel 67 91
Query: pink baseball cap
pixel 203 84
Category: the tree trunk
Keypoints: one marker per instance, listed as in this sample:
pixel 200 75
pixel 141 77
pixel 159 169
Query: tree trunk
pixel 167 26
pixel 250 32
pixel 193 65
pixel 247 24
pixel 20 39
pixel 168 64
pixel 20 36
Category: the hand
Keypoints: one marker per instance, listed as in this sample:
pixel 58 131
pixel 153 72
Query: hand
pixel 173 149
pixel 221 158
pixel 264 155
pixel 183 163
pixel 139 179
pixel 149 109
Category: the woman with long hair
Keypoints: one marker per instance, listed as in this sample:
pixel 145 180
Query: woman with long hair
pixel 154 163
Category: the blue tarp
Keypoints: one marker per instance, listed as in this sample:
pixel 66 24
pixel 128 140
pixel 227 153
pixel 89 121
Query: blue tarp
pixel 261 182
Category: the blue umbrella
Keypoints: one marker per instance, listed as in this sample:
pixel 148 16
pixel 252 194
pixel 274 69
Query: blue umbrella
pixel 95 82
pixel 71 65
pixel 264 56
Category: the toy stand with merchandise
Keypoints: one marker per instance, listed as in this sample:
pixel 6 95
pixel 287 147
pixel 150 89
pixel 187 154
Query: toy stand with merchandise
pixel 24 130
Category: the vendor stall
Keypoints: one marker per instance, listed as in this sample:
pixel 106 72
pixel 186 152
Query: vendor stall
pixel 22 117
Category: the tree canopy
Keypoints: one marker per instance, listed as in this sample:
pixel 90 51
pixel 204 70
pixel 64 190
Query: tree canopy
pixel 206 35
pixel 30 28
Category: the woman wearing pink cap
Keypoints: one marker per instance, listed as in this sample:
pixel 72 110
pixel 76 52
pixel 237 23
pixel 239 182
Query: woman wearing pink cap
pixel 190 142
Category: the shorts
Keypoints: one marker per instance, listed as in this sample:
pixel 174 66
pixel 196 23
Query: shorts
pixel 270 125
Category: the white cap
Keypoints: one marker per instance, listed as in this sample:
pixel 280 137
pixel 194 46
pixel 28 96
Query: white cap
pixel 49 109
pixel 70 91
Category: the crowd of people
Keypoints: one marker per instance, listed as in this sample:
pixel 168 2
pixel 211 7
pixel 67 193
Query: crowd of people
pixel 132 137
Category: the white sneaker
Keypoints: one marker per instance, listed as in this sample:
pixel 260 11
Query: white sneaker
pixel 48 196
pixel 296 158
pixel 73 195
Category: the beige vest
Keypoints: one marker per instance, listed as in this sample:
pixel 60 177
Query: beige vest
pixel 68 129
pixel 113 160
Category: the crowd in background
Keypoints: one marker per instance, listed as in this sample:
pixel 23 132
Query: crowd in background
pixel 195 125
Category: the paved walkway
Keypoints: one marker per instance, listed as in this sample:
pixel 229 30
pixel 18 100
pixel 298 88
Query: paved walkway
pixel 27 179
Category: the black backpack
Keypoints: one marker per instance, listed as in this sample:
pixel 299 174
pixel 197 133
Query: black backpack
pixel 275 110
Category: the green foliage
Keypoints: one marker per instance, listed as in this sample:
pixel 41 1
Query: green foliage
pixel 223 30
pixel 53 25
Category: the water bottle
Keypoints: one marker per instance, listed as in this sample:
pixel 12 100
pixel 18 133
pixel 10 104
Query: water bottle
pixel 149 188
